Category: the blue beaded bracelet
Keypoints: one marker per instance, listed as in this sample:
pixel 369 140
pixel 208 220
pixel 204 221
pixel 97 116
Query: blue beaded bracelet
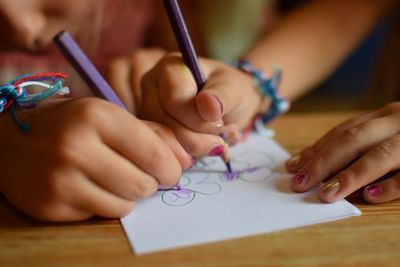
pixel 268 88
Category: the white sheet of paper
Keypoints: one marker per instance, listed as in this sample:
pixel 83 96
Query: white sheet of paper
pixel 215 207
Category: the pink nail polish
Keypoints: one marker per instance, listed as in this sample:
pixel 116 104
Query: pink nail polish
pixel 193 162
pixel 217 150
pixel 301 177
pixel 221 107
pixel 374 190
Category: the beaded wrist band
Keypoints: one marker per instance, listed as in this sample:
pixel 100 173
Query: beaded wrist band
pixel 14 93
pixel 268 88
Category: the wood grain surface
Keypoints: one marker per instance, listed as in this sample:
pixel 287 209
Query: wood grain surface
pixel 372 239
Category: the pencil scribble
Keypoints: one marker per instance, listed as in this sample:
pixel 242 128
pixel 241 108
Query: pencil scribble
pixel 209 176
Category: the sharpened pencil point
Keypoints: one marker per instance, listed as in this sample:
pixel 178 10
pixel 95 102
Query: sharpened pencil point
pixel 228 166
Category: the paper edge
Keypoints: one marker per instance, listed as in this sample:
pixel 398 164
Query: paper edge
pixel 355 213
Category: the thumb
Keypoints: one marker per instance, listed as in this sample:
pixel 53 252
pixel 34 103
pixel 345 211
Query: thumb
pixel 228 94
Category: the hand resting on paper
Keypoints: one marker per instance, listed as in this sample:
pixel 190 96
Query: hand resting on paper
pixel 363 152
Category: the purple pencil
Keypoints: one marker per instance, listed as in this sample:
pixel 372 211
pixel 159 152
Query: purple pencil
pixel 184 41
pixel 187 49
pixel 85 68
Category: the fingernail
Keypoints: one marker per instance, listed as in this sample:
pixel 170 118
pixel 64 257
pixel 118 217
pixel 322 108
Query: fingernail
pixel 163 188
pixel 330 188
pixel 217 150
pixel 232 138
pixel 193 162
pixel 301 177
pixel 218 128
pixel 374 190
pixel 294 160
pixel 221 107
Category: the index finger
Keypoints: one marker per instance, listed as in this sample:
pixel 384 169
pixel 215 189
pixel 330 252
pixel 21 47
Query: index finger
pixel 373 165
pixel 294 164
pixel 136 142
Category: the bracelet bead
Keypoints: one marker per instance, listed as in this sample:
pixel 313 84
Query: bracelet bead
pixel 268 87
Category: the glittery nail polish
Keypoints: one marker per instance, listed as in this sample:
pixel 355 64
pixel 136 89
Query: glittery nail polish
pixel 330 188
pixel 374 190
pixel 301 177
pixel 217 150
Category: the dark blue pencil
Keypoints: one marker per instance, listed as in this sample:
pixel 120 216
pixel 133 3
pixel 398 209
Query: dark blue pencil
pixel 187 49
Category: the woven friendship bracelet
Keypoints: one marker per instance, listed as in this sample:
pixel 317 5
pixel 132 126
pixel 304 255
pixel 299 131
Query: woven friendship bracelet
pixel 269 88
pixel 14 94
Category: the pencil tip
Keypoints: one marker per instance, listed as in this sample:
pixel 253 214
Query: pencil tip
pixel 228 166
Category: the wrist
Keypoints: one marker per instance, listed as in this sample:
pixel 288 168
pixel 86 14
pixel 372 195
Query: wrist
pixel 272 103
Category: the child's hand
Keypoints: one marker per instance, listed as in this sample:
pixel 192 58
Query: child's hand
pixel 353 155
pixel 85 157
pixel 168 95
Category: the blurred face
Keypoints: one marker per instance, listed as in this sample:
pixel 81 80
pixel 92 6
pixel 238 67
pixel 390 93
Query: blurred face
pixel 31 24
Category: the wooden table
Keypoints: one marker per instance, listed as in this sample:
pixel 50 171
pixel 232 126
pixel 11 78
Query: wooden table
pixel 370 240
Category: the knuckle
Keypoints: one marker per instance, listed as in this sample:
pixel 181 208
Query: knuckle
pixel 386 149
pixel 167 60
pixel 159 156
pixel 355 133
pixel 91 110
pixel 143 55
pixel 195 148
pixel 137 58
pixel 172 57
pixel 396 140
pixel 321 160
pixel 350 178
pixel 155 51
pixel 171 63
pixel 337 129
pixel 116 64
pixel 164 132
pixel 67 150
pixel 309 152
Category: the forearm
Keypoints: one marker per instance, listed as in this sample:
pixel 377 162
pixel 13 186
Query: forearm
pixel 314 39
